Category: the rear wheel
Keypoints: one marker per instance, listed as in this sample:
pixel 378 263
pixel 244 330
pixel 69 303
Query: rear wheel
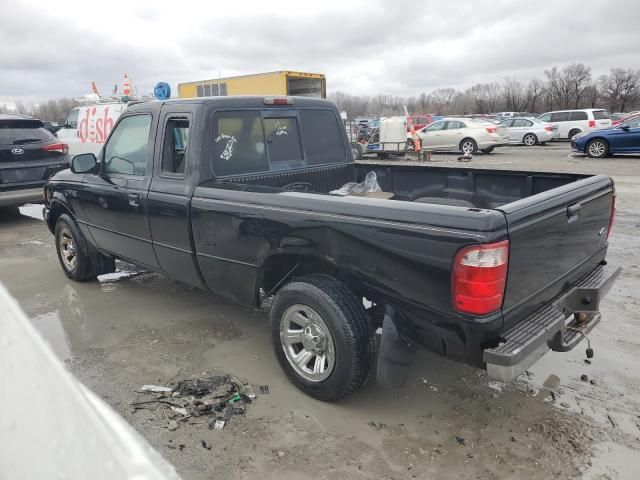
pixel 356 150
pixel 322 338
pixel 573 132
pixel 530 140
pixel 468 146
pixel 597 148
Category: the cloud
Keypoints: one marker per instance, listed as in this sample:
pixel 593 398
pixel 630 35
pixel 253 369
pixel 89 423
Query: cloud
pixel 364 47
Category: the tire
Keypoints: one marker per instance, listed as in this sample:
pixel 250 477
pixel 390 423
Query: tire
pixel 356 150
pixel 334 336
pixel 597 148
pixel 573 132
pixel 530 140
pixel 488 150
pixel 72 250
pixel 468 145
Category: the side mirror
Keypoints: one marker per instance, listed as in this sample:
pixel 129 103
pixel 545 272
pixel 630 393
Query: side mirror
pixel 625 128
pixel 84 163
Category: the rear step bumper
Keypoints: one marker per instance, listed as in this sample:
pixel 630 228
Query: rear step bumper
pixel 20 197
pixel 548 329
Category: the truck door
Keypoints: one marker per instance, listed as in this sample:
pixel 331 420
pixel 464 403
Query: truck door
pixel 170 195
pixel 115 199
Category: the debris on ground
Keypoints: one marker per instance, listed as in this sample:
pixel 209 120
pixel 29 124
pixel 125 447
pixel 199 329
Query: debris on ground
pixel 584 378
pixel 205 445
pixel 461 440
pixel 218 397
pixel 264 389
pixel 154 389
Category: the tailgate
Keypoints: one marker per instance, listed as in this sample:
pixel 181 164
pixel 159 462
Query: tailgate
pixel 555 237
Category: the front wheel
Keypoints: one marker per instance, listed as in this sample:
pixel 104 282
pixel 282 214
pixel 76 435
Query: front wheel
pixel 530 140
pixel 322 337
pixel 73 251
pixel 468 146
pixel 597 148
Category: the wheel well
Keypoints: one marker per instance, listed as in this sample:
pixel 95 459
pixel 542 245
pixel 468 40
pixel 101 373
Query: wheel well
pixel 465 139
pixel 56 210
pixel 278 269
pixel 575 129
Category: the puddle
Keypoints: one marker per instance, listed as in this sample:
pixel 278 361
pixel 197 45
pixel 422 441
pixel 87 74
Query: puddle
pixel 50 327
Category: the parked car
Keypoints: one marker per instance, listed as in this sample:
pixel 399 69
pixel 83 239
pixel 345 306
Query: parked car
pixel 29 155
pixel 529 131
pixel 616 119
pixel 467 135
pixel 572 122
pixel 481 266
pixel 420 121
pixel 87 127
pixel 624 138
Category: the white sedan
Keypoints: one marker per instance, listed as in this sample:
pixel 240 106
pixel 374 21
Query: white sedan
pixel 464 135
pixel 529 131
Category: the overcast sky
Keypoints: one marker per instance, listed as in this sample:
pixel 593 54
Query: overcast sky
pixel 51 49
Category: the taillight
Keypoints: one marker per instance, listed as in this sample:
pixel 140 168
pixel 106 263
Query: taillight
pixel 278 101
pixel 56 147
pixel 592 124
pixel 611 215
pixel 491 129
pixel 479 278
pixel 549 129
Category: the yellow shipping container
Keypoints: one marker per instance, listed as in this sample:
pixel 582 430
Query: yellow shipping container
pixel 272 83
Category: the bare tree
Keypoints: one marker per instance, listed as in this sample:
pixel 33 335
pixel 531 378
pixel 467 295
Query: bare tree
pixel 535 90
pixel 514 95
pixel 442 99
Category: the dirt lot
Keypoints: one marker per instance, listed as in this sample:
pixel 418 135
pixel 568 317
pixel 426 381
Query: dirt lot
pixel 449 421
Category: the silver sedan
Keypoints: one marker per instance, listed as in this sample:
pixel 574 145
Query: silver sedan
pixel 529 131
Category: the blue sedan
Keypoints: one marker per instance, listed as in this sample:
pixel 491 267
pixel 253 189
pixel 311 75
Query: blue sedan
pixel 623 138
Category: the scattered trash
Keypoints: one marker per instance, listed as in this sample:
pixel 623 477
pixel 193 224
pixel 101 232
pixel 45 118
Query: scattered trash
pixel 264 389
pixel 154 389
pixel 587 361
pixel 217 397
pixel 513 439
pixel 613 423
pixel 370 184
pixel 173 425
pixel 219 424
pixel 592 382
pixel 180 410
pixel 461 440
pixel 205 445
pixel 564 404
pixel 280 454
pixel 181 446
pixel 584 378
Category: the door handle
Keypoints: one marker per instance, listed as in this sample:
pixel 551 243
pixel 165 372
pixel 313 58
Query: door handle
pixel 573 212
pixel 134 199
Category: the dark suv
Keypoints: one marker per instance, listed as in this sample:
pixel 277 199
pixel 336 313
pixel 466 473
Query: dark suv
pixel 29 155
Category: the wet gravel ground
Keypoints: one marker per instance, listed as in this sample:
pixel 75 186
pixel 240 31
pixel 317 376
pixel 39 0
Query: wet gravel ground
pixel 449 421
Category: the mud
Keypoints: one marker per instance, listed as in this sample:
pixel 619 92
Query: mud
pixel 449 421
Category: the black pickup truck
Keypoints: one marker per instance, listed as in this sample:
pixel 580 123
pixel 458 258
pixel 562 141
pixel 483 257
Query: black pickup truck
pixel 232 194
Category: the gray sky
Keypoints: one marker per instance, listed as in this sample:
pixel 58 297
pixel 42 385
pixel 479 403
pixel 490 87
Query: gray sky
pixel 55 49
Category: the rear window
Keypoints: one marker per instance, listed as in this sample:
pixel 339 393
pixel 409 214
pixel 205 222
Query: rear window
pixel 22 132
pixel 600 115
pixel 578 116
pixel 238 146
pixel 283 141
pixel 322 137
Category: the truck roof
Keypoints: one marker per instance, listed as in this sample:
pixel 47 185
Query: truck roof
pixel 240 101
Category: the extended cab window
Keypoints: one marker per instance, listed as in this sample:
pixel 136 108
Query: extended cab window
pixel 322 136
pixel 174 148
pixel 127 151
pixel 283 140
pixel 238 143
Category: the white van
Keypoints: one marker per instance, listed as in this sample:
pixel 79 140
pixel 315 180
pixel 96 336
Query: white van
pixel 87 127
pixel 572 122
